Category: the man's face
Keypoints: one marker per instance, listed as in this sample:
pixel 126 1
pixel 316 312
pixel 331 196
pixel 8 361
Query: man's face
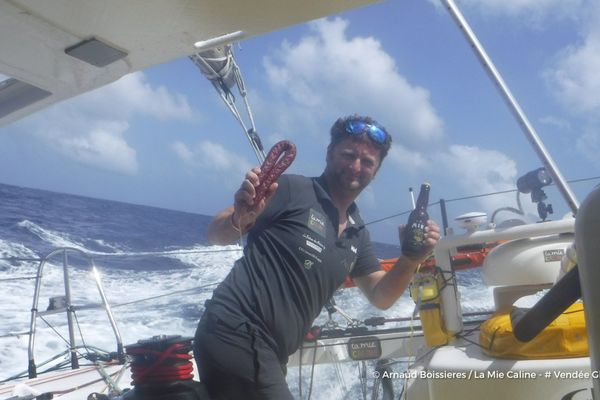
pixel 351 165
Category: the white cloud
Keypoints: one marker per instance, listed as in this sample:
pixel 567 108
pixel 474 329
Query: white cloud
pixel 575 82
pixel 102 147
pixel 213 157
pixel 532 10
pixel 490 170
pixel 327 73
pixel 183 152
pixel 91 128
pixel 575 78
pixel 476 170
pixel 406 159
pixel 589 145
pixel 132 94
pixel 560 123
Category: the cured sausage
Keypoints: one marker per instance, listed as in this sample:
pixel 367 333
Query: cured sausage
pixel 279 158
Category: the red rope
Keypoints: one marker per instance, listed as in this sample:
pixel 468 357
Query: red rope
pixel 171 364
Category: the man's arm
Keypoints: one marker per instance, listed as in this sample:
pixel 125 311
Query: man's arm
pixel 222 230
pixel 232 222
pixel 384 288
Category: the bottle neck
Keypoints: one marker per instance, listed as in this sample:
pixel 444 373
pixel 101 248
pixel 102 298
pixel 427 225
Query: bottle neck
pixel 423 198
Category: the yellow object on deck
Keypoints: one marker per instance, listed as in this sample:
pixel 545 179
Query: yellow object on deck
pixel 565 337
pixel 425 291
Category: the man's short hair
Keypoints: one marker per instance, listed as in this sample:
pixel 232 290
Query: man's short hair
pixel 339 132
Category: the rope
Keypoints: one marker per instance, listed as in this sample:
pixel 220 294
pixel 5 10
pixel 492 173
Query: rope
pixel 312 371
pixel 171 364
pixel 362 377
pixel 20 259
pixel 160 253
pixel 80 333
pixel 111 384
pixel 473 197
pixel 116 255
pixel 16 334
pixel 24 278
pixel 165 295
pixel 300 372
pixel 62 337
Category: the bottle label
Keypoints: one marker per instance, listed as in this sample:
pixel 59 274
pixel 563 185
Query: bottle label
pixel 417 231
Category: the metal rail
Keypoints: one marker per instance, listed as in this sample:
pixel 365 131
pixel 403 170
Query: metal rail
pixel 68 308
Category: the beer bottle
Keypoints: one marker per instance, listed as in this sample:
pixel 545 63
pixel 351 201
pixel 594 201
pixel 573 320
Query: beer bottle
pixel 414 233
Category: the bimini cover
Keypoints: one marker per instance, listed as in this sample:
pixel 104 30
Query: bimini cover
pixel 565 337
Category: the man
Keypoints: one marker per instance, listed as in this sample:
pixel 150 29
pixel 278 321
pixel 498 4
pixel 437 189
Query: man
pixel 304 238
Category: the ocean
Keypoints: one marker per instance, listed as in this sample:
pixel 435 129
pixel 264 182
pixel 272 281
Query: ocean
pixel 157 270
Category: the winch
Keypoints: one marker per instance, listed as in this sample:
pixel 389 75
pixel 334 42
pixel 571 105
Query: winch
pixel 162 369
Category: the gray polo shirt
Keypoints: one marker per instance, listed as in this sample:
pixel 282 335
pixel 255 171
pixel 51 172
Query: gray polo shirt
pixel 293 263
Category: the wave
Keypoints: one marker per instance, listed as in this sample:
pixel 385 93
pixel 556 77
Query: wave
pixel 11 250
pixel 55 239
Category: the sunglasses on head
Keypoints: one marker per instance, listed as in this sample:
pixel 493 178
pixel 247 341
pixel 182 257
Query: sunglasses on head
pixel 355 128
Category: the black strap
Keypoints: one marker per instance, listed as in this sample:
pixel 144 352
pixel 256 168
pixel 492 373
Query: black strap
pixel 528 323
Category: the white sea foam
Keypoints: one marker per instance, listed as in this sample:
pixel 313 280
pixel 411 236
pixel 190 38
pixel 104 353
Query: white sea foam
pixel 140 320
pixel 56 239
pixel 16 250
pixel 475 295
pixel 204 267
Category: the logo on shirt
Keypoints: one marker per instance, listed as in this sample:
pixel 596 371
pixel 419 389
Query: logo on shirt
pixel 316 222
pixel 308 264
pixel 353 248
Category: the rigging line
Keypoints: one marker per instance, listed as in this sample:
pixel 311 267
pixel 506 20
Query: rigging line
pixel 340 375
pixel 391 216
pixel 312 372
pixel 160 253
pixel 14 334
pixel 61 365
pixel 165 295
pixel 111 384
pixel 475 197
pixel 362 378
pixel 467 332
pixel 397 215
pixel 480 195
pixel 471 341
pixel 584 179
pixel 514 190
pixel 24 278
pixel 81 333
pixel 300 372
pixel 69 349
pixel 20 259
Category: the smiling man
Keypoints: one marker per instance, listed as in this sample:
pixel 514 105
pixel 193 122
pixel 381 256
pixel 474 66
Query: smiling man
pixel 304 238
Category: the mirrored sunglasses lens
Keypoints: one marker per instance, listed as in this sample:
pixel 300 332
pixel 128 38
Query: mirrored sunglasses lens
pixel 356 127
pixel 377 134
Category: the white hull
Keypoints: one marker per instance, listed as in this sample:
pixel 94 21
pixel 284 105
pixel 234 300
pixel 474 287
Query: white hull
pixel 463 371
pixel 68 385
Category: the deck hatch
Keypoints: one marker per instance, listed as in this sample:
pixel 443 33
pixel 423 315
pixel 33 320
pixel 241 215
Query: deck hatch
pixel 15 94
pixel 95 52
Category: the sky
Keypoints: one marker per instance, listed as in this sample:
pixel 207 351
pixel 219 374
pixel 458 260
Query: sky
pixel 162 137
